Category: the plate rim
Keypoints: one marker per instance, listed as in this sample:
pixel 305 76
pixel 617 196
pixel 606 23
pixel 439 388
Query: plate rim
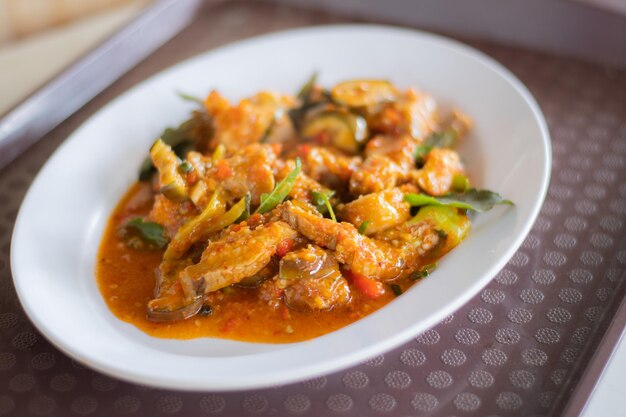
pixel 365 353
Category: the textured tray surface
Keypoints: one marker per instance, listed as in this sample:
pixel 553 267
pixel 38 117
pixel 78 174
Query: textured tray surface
pixel 515 349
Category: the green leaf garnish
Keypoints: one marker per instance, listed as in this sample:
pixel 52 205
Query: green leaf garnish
pixel 148 231
pixel 363 226
pixel 322 200
pixel 189 97
pixel 473 199
pixel 280 192
pixel 424 272
pixel 397 290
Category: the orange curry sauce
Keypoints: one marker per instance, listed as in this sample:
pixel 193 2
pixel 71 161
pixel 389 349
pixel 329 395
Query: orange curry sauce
pixel 127 280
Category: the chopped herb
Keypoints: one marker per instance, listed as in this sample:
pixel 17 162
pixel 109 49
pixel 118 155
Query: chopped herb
pixel 322 200
pixel 363 226
pixel 472 199
pixel 185 167
pixel 205 310
pixel 189 97
pixel 246 212
pixel 280 192
pixel 397 290
pixel 149 232
pixel 424 272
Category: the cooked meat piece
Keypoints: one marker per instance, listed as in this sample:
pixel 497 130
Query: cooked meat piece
pixel 169 214
pixel 439 170
pixel 413 113
pixel 312 281
pixel 370 257
pixel 247 122
pixel 327 166
pixel 377 173
pixel 236 255
pixel 383 210
pixel 249 170
pixel 400 150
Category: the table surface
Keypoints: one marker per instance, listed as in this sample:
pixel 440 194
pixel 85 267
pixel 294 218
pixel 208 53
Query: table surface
pixel 515 349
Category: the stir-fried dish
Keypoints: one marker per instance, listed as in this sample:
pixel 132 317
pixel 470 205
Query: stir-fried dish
pixel 282 218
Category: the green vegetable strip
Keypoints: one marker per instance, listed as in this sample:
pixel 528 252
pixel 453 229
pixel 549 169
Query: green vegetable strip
pixel 323 199
pixel 194 229
pixel 363 226
pixel 150 232
pixel 211 220
pixel 231 215
pixel 280 192
pixel 246 212
pixel 477 200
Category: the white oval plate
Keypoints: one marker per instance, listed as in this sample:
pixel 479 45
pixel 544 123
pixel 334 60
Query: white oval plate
pixel 63 216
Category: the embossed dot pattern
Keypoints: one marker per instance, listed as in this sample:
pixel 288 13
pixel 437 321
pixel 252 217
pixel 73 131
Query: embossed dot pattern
pixel 512 350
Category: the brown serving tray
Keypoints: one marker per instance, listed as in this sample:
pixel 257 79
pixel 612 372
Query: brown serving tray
pixel 530 344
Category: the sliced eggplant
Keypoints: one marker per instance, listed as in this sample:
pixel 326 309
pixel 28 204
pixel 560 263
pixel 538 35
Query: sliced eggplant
pixel 363 93
pixel 173 185
pixel 343 130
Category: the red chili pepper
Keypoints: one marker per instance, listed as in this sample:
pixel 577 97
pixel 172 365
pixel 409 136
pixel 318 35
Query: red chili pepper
pixel 284 247
pixel 366 285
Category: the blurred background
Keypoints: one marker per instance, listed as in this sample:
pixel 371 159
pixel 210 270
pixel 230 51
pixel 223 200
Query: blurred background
pixel 38 38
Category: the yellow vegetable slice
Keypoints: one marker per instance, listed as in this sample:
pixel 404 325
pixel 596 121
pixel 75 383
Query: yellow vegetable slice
pixel 361 93
pixel 345 131
pixel 196 228
pixel 173 185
